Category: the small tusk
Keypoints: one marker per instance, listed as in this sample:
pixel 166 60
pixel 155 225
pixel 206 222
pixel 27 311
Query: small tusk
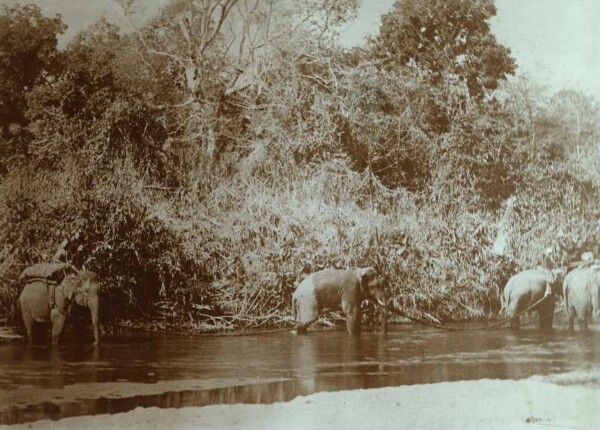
pixel 381 302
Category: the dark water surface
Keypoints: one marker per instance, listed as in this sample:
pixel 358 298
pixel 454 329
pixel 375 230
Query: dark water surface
pixel 280 366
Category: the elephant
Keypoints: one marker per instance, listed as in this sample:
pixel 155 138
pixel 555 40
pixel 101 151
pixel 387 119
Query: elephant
pixel 581 291
pixel 332 288
pixel 37 306
pixel 528 287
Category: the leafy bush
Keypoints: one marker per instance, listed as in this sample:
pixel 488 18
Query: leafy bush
pixel 203 184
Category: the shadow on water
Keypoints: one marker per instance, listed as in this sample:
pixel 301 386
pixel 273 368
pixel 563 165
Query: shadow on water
pixel 38 382
pixel 255 393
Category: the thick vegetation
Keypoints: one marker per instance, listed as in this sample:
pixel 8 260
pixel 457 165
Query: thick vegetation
pixel 205 162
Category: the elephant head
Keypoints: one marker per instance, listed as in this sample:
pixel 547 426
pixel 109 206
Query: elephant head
pixel 556 280
pixel 372 287
pixel 82 290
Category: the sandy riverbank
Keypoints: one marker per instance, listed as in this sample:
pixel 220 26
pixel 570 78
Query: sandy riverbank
pixel 569 401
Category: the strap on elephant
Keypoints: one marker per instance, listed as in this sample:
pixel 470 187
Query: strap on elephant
pixel 493 326
pixel 39 279
pixel 51 300
pixel 48 282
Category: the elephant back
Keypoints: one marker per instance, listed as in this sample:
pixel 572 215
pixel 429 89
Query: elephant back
pixel 50 271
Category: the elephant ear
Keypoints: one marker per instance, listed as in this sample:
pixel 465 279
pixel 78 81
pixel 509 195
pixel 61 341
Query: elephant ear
pixel 367 275
pixel 69 286
pixel 557 278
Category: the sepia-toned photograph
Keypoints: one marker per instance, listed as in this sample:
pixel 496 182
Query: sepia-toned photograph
pixel 300 214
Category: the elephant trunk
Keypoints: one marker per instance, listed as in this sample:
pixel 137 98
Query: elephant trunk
pixel 383 319
pixel 93 305
pixel 381 300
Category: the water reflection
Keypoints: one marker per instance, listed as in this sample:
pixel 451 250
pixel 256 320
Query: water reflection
pixel 320 361
pixel 253 393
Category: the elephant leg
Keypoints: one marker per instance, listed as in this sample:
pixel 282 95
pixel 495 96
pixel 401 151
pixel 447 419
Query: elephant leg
pixel 58 325
pixel 383 316
pixel 93 305
pixel 515 320
pixel 302 328
pixel 95 324
pixel 546 314
pixel 96 333
pixel 353 316
pixel 28 322
pixel 571 317
pixel 583 323
pixel 513 310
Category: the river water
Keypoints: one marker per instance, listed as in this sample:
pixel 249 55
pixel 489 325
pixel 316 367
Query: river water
pixel 38 382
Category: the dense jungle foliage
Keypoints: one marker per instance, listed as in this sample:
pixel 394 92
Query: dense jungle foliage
pixel 204 161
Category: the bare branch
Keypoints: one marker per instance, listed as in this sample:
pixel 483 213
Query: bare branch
pixel 225 9
pixel 166 54
pixel 319 81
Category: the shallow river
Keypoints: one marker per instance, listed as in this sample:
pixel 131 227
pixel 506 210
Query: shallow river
pixel 38 383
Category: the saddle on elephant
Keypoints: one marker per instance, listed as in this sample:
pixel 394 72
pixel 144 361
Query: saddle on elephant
pixel 50 273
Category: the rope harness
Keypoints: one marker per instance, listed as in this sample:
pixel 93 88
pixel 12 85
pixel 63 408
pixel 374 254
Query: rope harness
pixel 52 296
pixel 493 326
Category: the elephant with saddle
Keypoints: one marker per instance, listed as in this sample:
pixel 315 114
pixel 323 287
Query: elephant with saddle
pixel 46 300
pixel 532 287
pixel 581 291
pixel 334 288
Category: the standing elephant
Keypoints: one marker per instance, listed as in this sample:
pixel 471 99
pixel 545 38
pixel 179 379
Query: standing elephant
pixel 332 288
pixel 581 291
pixel 38 307
pixel 526 288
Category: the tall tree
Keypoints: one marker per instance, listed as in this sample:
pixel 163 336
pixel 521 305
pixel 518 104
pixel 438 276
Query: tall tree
pixel 28 52
pixel 443 39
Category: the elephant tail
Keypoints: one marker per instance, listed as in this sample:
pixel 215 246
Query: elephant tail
pixel 295 307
